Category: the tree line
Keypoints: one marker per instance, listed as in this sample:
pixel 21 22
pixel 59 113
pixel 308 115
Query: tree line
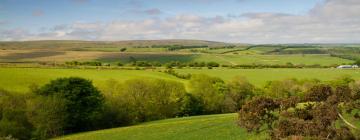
pixel 210 65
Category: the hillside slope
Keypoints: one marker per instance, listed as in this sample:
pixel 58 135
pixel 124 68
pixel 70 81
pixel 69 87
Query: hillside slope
pixel 209 127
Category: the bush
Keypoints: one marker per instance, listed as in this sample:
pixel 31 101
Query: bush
pixel 191 106
pixel 13 120
pixel 240 90
pixel 47 115
pixel 82 101
pixel 211 90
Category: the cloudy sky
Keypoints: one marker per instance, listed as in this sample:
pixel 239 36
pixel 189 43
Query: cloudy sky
pixel 241 21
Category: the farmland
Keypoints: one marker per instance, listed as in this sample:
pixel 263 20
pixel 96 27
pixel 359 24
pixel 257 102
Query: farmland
pixel 164 89
pixel 19 79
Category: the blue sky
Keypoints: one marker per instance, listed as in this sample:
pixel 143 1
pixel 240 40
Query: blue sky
pixel 35 17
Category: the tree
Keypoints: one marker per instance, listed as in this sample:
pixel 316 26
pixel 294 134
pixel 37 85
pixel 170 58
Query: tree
pixel 240 90
pixel 210 90
pixel 357 62
pixel 46 115
pixel 191 106
pixel 13 120
pixel 122 49
pixel 153 99
pixel 82 101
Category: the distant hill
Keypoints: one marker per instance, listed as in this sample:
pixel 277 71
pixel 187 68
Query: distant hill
pixel 74 44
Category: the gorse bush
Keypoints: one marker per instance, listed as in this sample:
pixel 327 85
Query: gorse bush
pixel 316 115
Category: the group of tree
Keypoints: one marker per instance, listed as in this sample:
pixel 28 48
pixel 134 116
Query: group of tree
pixel 87 63
pixel 63 106
pixel 178 47
pixel 322 111
pixel 70 105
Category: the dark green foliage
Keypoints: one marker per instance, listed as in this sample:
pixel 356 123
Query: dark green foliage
pixel 47 115
pixel 191 106
pixel 357 62
pixel 88 63
pixel 82 100
pixel 13 120
pixel 212 64
pixel 119 64
pixel 122 49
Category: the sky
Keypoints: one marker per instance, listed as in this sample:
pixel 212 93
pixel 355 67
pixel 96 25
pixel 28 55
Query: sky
pixel 236 21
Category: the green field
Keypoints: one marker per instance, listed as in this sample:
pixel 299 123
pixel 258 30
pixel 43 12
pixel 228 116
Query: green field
pixel 260 76
pixel 19 79
pixel 209 127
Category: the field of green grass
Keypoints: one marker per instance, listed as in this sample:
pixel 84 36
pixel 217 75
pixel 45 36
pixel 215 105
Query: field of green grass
pixel 259 77
pixel 208 127
pixel 19 79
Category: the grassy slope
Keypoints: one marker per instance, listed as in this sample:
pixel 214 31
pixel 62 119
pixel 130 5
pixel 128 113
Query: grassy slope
pixel 260 76
pixel 19 79
pixel 209 127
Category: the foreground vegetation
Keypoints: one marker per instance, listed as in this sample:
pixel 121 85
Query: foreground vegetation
pixel 70 105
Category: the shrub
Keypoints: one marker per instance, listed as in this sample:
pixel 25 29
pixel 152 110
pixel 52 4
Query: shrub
pixel 211 90
pixel 191 106
pixel 47 115
pixel 13 120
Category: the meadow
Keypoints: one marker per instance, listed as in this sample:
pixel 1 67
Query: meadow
pixel 197 127
pixel 19 79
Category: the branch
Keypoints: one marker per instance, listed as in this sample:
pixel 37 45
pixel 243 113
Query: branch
pixel 346 122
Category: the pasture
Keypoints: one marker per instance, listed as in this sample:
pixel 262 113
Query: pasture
pixel 19 79
pixel 209 127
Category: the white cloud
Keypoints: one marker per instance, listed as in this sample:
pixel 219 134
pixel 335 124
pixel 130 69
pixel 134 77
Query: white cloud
pixel 333 21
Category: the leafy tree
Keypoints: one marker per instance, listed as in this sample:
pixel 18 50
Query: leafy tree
pixel 191 106
pixel 122 49
pixel 284 88
pixel 153 99
pixel 82 101
pixel 240 90
pixel 46 114
pixel 13 120
pixel 357 62
pixel 211 90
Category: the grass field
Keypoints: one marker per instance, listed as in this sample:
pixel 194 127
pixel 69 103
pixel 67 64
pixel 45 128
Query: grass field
pixel 19 79
pixel 260 76
pixel 209 127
